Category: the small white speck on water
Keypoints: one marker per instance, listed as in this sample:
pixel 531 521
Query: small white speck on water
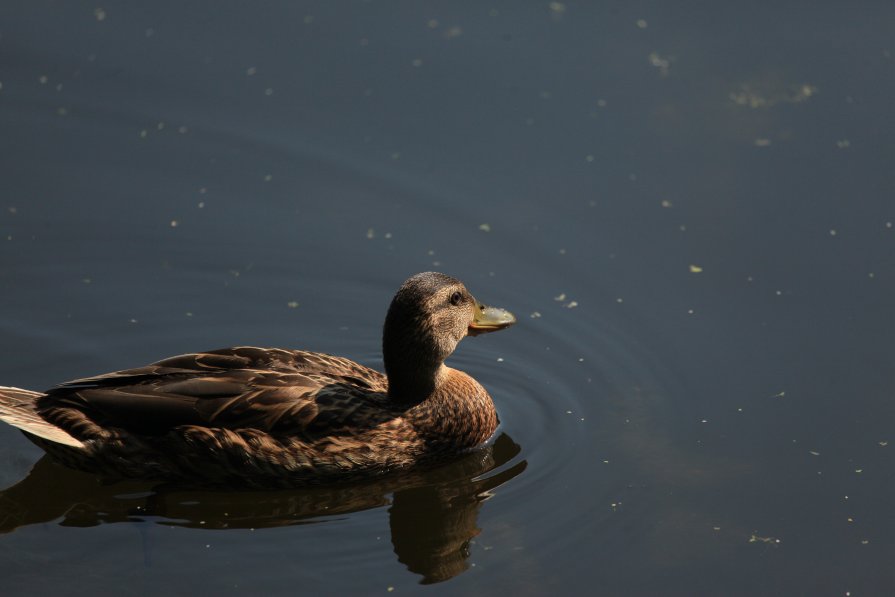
pixel 251 71
pixel 485 227
pixel 182 130
pixel 832 232
pixel 535 315
pixel 619 300
pixel 100 14
pixel 174 223
pixel 500 359
pixel 143 133
pixel 642 24
pixel 268 177
pixel 292 304
pixel 268 91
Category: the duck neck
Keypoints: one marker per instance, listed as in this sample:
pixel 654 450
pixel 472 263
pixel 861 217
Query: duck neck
pixel 411 381
pixel 415 370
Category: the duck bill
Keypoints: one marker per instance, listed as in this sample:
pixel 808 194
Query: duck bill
pixel 489 319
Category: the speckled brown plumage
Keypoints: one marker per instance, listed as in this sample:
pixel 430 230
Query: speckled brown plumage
pixel 265 417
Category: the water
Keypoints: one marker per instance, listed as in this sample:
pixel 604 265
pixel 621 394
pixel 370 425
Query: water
pixel 689 208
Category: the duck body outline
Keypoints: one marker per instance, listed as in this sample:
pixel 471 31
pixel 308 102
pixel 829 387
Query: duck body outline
pixel 276 417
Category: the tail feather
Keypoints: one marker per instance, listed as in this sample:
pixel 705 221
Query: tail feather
pixel 18 408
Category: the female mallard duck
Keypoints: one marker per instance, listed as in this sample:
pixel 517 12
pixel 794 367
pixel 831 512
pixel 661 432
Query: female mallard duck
pixel 277 417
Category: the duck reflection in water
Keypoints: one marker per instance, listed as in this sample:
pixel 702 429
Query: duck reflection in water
pixel 433 514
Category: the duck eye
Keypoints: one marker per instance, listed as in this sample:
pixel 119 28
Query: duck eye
pixel 456 298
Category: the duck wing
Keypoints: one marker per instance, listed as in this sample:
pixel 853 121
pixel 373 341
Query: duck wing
pixel 271 390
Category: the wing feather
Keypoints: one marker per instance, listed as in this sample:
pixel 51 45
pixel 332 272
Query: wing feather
pixel 271 390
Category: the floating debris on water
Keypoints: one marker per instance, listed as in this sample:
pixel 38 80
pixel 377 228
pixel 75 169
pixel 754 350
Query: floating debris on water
pixel 660 62
pixel 759 539
pixel 749 95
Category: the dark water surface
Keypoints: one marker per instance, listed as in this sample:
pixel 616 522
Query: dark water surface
pixel 690 207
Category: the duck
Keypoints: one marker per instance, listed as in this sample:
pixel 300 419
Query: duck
pixel 279 417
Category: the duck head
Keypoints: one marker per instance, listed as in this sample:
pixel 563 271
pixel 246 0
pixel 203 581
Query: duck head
pixel 428 317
